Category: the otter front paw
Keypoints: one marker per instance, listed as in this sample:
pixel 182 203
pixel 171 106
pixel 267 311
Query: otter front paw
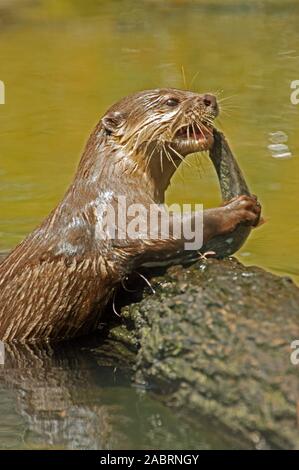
pixel 241 210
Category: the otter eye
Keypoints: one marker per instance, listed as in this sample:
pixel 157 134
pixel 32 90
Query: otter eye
pixel 172 102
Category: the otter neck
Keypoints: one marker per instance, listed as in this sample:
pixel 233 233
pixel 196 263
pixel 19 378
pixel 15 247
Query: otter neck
pixel 110 167
pixel 159 172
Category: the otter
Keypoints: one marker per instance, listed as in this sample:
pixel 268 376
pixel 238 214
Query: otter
pixel 56 283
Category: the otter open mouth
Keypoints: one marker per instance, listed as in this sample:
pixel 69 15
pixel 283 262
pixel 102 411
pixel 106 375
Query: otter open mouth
pixel 194 132
pixel 193 137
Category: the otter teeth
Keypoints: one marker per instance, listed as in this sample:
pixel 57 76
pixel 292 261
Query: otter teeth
pixel 191 133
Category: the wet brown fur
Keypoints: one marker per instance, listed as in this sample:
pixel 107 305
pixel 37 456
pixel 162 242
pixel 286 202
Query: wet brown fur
pixel 57 282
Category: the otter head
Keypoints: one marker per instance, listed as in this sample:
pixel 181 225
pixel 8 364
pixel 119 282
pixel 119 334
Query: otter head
pixel 164 117
pixel 158 128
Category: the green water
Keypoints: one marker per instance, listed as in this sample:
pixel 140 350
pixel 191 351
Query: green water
pixel 63 63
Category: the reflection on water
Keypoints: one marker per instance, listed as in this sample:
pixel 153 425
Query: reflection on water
pixel 75 397
pixel 278 146
pixel 63 63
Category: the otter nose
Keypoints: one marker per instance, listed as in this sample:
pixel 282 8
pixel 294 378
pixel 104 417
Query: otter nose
pixel 210 102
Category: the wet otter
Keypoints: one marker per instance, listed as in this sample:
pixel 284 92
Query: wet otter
pixel 57 282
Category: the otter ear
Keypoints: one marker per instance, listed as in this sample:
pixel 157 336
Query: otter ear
pixel 113 121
